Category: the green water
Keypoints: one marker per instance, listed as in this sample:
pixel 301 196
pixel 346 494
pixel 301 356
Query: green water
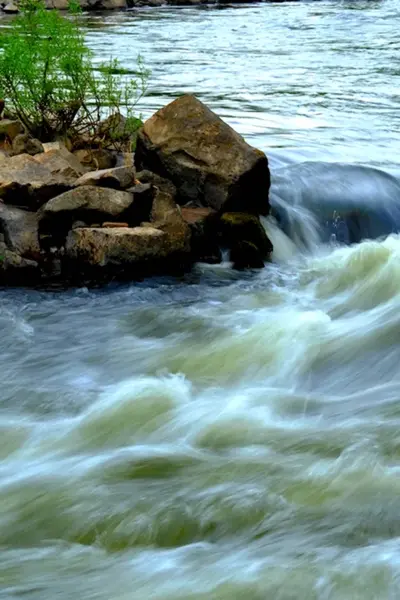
pixel 226 436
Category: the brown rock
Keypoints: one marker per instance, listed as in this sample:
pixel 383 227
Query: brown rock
pixel 118 247
pixel 87 203
pixel 15 270
pixel 245 236
pixel 20 230
pixel 209 163
pixel 62 163
pixel 204 241
pixel 96 158
pixel 23 143
pixel 9 129
pixel 167 217
pixel 25 182
pixel 164 185
pixel 119 178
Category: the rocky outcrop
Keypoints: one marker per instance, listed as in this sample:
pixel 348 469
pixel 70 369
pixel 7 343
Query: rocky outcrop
pixel 209 163
pixel 62 221
pixel 119 178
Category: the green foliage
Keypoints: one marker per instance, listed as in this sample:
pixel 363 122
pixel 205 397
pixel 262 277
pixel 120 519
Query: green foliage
pixel 48 80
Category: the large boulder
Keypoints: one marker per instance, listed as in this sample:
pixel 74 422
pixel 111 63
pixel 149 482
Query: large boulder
pixel 209 163
pixel 119 178
pixel 115 248
pixel 27 183
pixel 20 231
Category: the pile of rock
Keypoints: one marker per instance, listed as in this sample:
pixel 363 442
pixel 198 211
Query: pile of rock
pixel 197 187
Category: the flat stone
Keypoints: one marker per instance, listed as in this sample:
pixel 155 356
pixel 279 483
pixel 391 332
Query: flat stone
pixel 91 200
pixel 101 247
pixel 118 178
pixel 62 163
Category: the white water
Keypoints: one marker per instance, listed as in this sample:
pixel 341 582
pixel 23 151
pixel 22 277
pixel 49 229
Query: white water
pixel 226 436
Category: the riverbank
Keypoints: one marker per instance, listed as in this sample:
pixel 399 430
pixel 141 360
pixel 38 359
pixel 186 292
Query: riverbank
pixel 10 7
pixel 192 187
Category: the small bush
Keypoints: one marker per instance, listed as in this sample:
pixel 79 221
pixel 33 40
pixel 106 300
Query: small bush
pixel 49 82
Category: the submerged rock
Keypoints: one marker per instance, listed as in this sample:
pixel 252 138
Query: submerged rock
pixel 209 163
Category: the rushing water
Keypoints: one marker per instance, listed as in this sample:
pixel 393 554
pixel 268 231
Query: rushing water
pixel 227 436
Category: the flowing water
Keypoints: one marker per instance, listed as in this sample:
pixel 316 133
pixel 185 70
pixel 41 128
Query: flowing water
pixel 227 436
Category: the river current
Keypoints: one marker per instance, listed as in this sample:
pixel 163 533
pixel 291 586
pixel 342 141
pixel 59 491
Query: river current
pixel 226 436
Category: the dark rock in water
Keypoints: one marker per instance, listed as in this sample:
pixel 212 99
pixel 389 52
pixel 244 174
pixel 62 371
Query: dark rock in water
pixel 20 231
pixel 246 255
pixel 164 185
pixel 23 143
pixel 236 228
pixel 118 178
pixel 209 163
pixel 27 183
pixel 15 270
pixel 204 235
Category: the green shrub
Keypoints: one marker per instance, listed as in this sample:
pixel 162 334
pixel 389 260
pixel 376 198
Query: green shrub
pixel 49 82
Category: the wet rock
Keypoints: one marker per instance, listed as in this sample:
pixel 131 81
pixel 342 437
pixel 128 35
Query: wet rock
pixel 23 143
pixel 62 163
pixel 9 129
pixel 20 231
pixel 115 248
pixel 25 182
pixel 209 163
pixel 204 241
pixel 163 184
pixel 166 216
pixel 235 228
pixel 96 158
pixel 119 178
pixel 16 270
pixel 246 255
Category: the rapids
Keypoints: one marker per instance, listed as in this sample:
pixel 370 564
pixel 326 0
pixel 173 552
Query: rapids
pixel 227 436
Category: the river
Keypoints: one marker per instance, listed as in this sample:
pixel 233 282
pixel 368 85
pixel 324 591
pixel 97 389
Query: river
pixel 225 436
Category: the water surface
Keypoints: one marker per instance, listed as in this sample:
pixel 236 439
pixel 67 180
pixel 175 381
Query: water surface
pixel 227 435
